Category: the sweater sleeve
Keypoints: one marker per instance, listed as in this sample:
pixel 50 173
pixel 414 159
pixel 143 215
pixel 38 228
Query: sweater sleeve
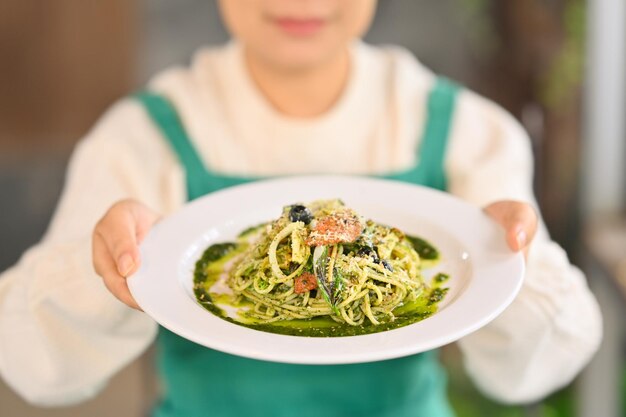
pixel 553 327
pixel 62 334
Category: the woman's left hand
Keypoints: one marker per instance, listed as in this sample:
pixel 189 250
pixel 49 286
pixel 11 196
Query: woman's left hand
pixel 519 221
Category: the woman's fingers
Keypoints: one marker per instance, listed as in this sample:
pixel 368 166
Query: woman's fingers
pixel 115 245
pixel 118 230
pixel 518 219
pixel 107 269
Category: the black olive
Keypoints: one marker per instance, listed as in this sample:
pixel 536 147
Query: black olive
pixel 300 213
pixel 368 251
pixel 387 265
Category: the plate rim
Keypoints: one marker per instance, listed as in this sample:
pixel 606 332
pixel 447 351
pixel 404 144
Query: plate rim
pixel 390 352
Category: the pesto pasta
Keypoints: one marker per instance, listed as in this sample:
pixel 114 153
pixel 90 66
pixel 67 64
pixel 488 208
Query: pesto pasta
pixel 323 259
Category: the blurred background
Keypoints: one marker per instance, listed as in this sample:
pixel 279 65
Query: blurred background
pixel 558 65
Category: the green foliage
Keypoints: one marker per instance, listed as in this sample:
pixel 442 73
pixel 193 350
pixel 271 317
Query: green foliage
pixel 468 402
pixel 562 79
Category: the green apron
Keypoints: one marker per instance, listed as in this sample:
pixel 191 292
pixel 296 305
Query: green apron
pixel 200 382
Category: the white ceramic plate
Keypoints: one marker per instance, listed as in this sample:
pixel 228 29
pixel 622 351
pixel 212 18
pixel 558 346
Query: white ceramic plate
pixel 485 274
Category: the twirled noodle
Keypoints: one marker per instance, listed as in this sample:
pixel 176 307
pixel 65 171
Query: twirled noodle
pixel 370 277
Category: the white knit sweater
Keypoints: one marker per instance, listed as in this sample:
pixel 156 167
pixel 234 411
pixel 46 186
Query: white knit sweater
pixel 63 335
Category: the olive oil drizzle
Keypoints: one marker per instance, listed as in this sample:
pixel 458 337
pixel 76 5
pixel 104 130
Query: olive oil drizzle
pixel 209 267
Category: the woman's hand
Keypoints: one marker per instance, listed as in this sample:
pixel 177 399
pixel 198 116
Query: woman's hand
pixel 115 245
pixel 519 221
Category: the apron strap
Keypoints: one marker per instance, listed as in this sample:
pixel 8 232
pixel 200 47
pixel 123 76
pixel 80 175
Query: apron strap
pixel 432 151
pixel 163 113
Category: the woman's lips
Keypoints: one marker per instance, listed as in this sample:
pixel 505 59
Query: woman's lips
pixel 299 27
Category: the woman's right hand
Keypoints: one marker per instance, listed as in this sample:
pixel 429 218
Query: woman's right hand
pixel 115 245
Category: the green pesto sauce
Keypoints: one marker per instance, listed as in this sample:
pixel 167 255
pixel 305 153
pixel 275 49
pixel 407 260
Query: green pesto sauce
pixel 211 265
pixel 424 249
pixel 251 230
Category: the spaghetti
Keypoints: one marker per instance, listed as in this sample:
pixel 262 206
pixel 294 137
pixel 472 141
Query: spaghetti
pixel 323 259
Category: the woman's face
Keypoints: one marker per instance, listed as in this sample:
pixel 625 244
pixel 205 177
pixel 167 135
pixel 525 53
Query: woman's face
pixel 296 34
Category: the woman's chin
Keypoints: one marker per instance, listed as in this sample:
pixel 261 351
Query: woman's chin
pixel 301 55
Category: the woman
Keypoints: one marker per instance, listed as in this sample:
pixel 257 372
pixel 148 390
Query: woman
pixel 295 81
